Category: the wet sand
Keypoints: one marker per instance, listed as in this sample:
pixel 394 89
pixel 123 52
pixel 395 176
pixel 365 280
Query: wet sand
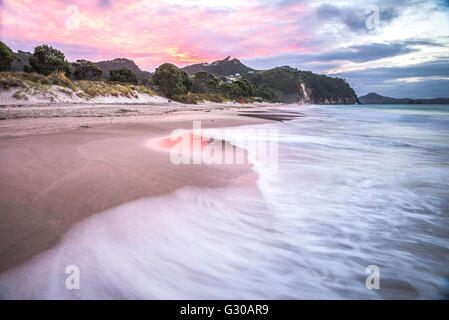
pixel 51 181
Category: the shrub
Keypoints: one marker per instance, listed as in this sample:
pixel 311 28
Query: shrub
pixel 86 70
pixel 245 88
pixel 238 89
pixel 18 79
pixel 205 82
pixel 123 75
pixel 6 57
pixel 171 80
pixel 194 98
pixel 47 60
pixel 59 79
pixel 27 68
pixel 188 98
pixel 267 93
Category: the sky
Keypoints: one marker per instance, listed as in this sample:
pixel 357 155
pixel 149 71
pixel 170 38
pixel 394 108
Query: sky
pixel 393 47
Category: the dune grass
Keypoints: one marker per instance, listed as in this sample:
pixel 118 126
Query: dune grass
pixel 31 83
pixel 195 98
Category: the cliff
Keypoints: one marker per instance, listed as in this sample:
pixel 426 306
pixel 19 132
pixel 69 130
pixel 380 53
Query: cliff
pixel 295 86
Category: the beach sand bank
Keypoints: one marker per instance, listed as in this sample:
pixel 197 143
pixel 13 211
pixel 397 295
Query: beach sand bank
pixel 57 171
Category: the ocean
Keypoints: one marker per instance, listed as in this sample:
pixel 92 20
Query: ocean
pixel 355 186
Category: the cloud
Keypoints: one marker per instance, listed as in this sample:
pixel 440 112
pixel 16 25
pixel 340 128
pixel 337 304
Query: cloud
pixel 104 3
pixel 322 61
pixel 415 90
pixel 262 33
pixel 353 18
pixel 427 69
pixel 364 53
pixel 431 76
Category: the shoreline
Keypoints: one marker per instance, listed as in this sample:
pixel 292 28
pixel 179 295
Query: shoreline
pixel 52 118
pixel 54 176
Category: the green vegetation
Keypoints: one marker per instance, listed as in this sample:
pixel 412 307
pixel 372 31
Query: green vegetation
pixel 284 84
pixel 323 87
pixel 171 80
pixel 86 70
pixel 32 83
pixel 239 89
pixel 47 60
pixel 220 91
pixel 243 89
pixel 223 67
pixel 19 79
pixel 194 98
pixel 205 82
pixel 214 82
pixel 266 93
pixel 124 75
pixel 58 79
pixel 21 59
pixel 47 66
pixel 6 57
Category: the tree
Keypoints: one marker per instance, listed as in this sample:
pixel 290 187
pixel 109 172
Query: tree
pixel 248 88
pixel 186 80
pixel 27 68
pixel 6 57
pixel 123 75
pixel 205 82
pixel 172 80
pixel 267 93
pixel 243 89
pixel 86 70
pixel 47 60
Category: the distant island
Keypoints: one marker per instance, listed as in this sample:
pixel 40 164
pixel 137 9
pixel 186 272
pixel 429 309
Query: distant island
pixel 374 98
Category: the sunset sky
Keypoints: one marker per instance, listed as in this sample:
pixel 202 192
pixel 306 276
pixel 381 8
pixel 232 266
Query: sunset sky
pixel 405 54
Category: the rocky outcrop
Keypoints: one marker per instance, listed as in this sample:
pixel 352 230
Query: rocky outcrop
pixel 308 96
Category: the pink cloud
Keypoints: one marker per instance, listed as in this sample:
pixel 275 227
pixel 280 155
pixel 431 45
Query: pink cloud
pixel 155 33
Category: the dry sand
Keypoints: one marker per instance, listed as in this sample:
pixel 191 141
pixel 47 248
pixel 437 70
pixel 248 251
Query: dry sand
pixel 56 171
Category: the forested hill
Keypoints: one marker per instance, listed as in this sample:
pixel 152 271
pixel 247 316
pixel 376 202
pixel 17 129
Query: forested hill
pixel 292 85
pixel 118 63
pixel 225 67
pixel 285 84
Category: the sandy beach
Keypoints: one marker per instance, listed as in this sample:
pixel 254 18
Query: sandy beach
pixel 101 193
pixel 58 169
